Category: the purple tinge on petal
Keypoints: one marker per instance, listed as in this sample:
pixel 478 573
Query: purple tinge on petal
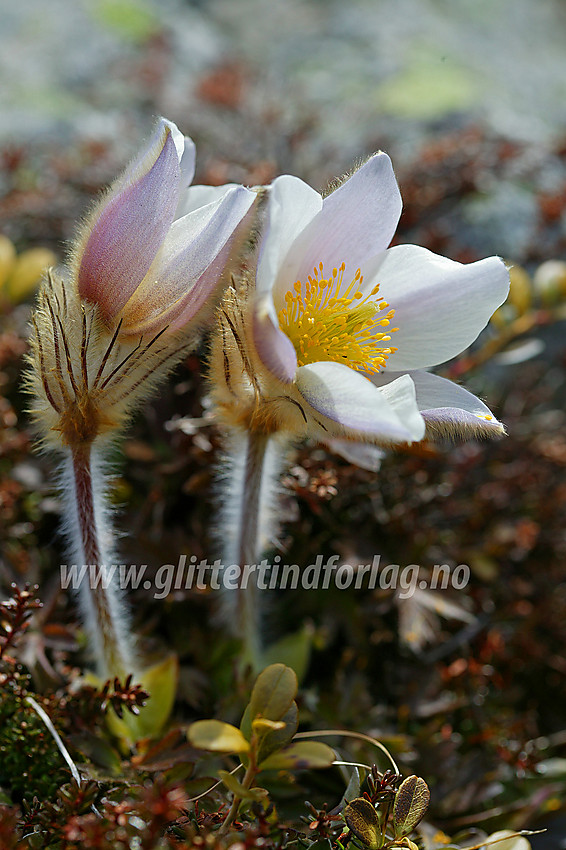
pixel 349 399
pixel 447 408
pixel 455 422
pixel 275 349
pixel 452 410
pixel 127 230
pixel 189 267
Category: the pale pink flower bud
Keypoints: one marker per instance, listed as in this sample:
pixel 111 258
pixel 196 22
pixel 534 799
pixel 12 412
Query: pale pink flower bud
pixel 141 263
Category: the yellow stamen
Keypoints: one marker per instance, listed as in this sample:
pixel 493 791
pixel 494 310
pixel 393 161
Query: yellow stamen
pixel 324 323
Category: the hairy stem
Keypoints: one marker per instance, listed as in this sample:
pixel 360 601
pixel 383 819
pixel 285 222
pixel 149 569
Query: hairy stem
pixel 249 491
pixel 88 533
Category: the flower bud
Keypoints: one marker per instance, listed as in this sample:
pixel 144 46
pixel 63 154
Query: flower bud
pixel 550 282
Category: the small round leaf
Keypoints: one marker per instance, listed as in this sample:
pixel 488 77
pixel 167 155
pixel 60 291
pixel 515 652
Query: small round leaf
pixel 217 737
pixel 303 755
pixel 273 692
pixel 361 818
pixel 411 803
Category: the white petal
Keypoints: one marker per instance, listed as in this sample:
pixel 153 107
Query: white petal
pixel 189 264
pixel 357 221
pixel 351 400
pixel 363 455
pixel 400 394
pixel 440 305
pixel 292 205
pixel 447 408
pixel 199 196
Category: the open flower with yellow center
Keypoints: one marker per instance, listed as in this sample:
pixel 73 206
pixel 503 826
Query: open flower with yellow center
pixel 345 328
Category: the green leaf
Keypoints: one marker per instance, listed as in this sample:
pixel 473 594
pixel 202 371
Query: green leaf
pixel 353 789
pixel 238 789
pixel 160 681
pixel 411 803
pixel 303 755
pixel 275 739
pixel 273 692
pixel 294 650
pixel 361 818
pixel 246 723
pixel 217 737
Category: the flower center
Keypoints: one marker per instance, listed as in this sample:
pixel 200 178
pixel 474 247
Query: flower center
pixel 325 323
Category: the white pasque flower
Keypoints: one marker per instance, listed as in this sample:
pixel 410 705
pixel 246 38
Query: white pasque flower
pixel 152 253
pixel 147 271
pixel 346 327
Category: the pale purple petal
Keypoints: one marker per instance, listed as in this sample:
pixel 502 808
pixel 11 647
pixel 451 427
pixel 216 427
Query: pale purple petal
pixel 447 408
pixel 357 221
pixel 124 234
pixel 453 409
pixel 292 204
pixel 189 265
pixel 273 347
pixel 354 403
pixel 440 305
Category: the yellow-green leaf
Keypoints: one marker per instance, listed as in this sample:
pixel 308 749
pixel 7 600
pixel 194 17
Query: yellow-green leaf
pixel 273 692
pixel 261 725
pixel 303 755
pixel 411 803
pixel 506 839
pixel 238 789
pixel 217 737
pixel 27 271
pixel 361 818
pixel 160 681
pixel 7 258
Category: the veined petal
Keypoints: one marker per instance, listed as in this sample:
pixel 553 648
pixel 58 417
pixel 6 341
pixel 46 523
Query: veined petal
pixel 355 404
pixel 189 265
pixel 292 204
pixel 127 228
pixel 274 348
pixel 440 305
pixel 357 221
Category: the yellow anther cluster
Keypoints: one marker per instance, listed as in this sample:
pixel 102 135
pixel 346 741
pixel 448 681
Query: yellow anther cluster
pixel 325 323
